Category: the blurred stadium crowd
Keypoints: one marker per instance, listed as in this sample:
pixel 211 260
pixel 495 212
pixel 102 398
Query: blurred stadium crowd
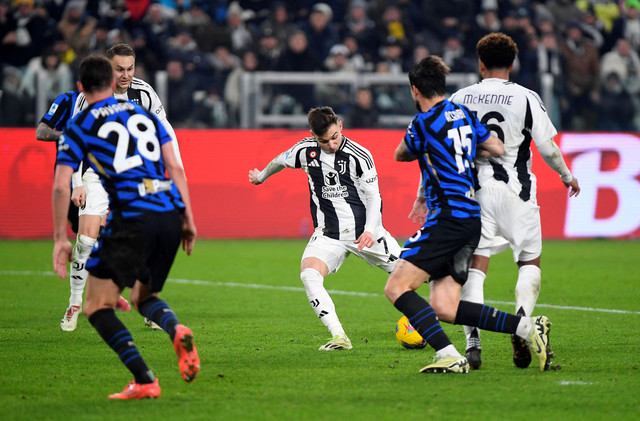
pixel 589 47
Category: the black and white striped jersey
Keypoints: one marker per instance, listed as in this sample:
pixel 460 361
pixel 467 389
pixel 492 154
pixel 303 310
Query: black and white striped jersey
pixel 344 195
pixel 516 115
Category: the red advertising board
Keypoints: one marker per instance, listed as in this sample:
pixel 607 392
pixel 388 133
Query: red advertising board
pixel 226 205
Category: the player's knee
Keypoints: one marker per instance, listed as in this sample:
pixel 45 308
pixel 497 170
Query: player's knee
pixel 444 307
pixel 312 280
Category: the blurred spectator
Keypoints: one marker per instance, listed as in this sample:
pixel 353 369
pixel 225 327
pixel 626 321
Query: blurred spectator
pixel 456 57
pixel 359 26
pixel 363 114
pixel 627 26
pixel 29 36
pixel 547 58
pixel 159 25
pixel 75 28
pixel 334 95
pixel 395 26
pixel 204 32
pixel 7 32
pixel 624 61
pixel 268 49
pixel 279 23
pixel 47 69
pixel 99 40
pixel 361 62
pixel 14 108
pixel 180 91
pixel 616 110
pixel 241 38
pixel 223 62
pixel 445 16
pixel 564 12
pixel 605 11
pixel 582 81
pixel 484 23
pixel 232 88
pixel 392 55
pixel 592 28
pixel 321 34
pixel 296 58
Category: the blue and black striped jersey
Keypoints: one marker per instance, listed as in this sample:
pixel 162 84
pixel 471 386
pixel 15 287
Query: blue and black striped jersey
pixel 61 110
pixel 123 144
pixel 444 139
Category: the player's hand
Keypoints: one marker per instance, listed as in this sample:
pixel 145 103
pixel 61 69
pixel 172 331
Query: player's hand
pixel 253 176
pixel 573 186
pixel 189 233
pixel 61 256
pixel 365 240
pixel 79 196
pixel 419 212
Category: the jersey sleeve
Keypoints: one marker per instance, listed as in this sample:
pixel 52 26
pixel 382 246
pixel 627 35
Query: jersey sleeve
pixel 70 149
pixel 373 199
pixel 59 112
pixel 542 129
pixel 411 138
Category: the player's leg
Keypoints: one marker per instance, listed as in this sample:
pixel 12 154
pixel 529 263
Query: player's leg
pixel 88 228
pixel 526 237
pixel 401 291
pixel 321 257
pixel 473 291
pixel 101 298
pixel 161 237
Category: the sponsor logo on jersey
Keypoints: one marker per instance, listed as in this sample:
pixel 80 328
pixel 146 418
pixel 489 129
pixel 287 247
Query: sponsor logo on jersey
pixel 314 163
pixel 53 109
pixel 331 179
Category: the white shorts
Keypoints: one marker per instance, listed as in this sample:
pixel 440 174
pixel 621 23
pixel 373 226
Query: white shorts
pixel 383 254
pixel 507 221
pixel 97 199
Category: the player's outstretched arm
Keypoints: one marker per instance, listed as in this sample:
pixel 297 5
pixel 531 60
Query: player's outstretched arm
pixel 277 164
pixel 60 206
pixel 573 186
pixel 402 154
pixel 552 156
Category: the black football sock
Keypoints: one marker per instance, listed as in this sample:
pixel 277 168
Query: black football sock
pixel 118 337
pixel 160 312
pixel 486 317
pixel 423 319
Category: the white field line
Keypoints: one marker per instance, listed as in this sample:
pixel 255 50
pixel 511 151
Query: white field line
pixel 331 291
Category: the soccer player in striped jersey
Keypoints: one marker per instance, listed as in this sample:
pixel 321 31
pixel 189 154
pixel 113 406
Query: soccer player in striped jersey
pixel 346 208
pixel 150 216
pixel 443 137
pixel 49 129
pixel 506 186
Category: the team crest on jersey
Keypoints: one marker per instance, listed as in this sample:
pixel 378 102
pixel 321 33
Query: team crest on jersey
pixel 313 154
pixel 342 166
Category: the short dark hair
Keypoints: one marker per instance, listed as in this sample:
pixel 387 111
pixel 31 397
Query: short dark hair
pixel 320 119
pixel 95 73
pixel 429 76
pixel 497 50
pixel 121 49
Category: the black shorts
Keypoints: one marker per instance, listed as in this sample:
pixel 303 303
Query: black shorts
pixel 444 247
pixel 141 248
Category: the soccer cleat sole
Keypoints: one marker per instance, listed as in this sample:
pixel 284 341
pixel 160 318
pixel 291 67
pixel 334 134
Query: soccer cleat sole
pixel 541 348
pixel 474 358
pixel 457 365
pixel 521 352
pixel 188 359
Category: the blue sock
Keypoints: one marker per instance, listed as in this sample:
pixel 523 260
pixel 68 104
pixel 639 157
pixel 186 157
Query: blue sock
pixel 486 317
pixel 423 318
pixel 160 312
pixel 117 336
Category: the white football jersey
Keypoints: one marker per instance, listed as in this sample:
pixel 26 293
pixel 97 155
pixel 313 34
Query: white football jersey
pixel 516 115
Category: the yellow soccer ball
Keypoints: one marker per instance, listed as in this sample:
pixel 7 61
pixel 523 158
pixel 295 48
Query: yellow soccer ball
pixel 408 336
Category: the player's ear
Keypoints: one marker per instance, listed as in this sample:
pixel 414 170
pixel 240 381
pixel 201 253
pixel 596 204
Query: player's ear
pixel 80 87
pixel 113 84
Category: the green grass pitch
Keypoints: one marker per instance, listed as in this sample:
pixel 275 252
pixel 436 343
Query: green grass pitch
pixel 258 337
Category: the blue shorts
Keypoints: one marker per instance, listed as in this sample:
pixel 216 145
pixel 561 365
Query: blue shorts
pixel 443 247
pixel 141 248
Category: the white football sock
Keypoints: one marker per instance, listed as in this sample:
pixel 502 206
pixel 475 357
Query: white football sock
pixel 321 301
pixel 524 327
pixel 528 288
pixel 79 274
pixel 448 351
pixel 473 291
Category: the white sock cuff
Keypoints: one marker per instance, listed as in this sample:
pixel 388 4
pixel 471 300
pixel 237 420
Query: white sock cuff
pixel 477 273
pixel 531 270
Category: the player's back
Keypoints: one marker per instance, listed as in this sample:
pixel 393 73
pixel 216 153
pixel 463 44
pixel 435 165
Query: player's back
pixel 123 142
pixel 517 116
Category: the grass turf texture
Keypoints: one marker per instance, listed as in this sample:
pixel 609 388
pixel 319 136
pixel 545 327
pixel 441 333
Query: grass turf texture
pixel 258 340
